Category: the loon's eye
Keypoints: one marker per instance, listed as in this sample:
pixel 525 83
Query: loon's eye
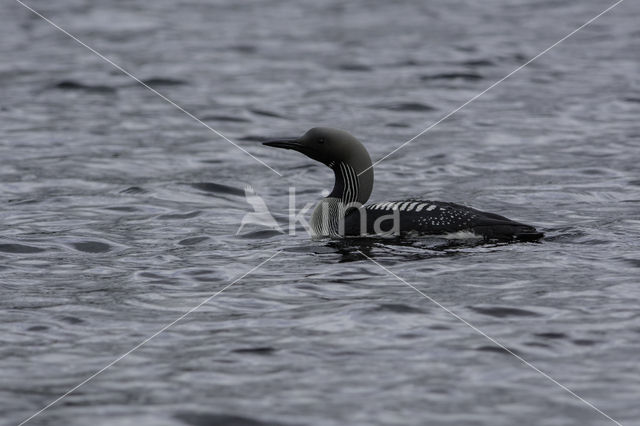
pixel 321 140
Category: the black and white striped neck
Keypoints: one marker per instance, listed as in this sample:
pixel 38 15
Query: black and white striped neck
pixel 347 185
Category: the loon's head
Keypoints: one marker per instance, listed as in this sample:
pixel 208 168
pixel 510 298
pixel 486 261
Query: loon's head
pixel 340 151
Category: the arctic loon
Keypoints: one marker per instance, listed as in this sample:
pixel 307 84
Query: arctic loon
pixel 343 213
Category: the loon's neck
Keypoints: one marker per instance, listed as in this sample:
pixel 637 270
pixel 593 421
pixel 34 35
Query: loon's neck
pixel 349 190
pixel 347 185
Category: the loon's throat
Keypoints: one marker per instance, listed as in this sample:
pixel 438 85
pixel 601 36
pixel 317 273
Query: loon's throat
pixel 347 184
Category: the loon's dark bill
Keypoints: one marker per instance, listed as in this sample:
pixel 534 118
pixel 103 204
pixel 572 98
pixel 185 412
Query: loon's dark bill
pixel 286 143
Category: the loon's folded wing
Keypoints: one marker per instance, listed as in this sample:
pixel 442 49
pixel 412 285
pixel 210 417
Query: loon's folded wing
pixel 428 217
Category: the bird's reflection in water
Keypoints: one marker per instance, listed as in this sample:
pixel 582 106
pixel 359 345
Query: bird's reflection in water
pixel 400 247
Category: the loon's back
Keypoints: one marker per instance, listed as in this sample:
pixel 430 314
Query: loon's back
pixel 425 217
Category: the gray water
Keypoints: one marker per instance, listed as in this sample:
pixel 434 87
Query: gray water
pixel 119 214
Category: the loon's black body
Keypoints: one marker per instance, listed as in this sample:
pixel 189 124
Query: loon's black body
pixel 343 213
pixel 424 217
